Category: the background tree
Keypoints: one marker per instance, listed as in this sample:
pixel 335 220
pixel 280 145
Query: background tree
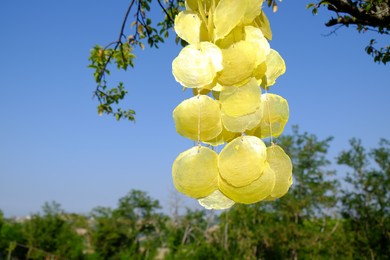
pixel 195 235
pixel 373 15
pixel 52 233
pixel 131 231
pixel 11 233
pixel 366 202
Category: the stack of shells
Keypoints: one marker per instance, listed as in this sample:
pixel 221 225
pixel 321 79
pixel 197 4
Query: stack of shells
pixel 228 63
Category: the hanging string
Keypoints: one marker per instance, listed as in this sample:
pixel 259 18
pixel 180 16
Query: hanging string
pixel 269 117
pixel 199 101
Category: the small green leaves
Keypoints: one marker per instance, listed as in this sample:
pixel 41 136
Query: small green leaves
pixel 100 58
pixel 120 52
pixel 380 55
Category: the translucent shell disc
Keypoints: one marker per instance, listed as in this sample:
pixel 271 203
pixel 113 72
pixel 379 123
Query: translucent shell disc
pixel 275 68
pixel 262 22
pixel 253 9
pixel 256 191
pixel 239 62
pixel 281 164
pixel 189 27
pixel 216 200
pixel 275 116
pixel 255 35
pixel 195 172
pixel 223 137
pixel 197 65
pixel 242 160
pixel 241 101
pixel 227 15
pixel 204 110
pixel 242 123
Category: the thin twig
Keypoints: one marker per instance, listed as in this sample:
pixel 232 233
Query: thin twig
pixel 165 11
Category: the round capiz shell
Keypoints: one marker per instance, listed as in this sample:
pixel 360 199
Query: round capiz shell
pixel 195 172
pixel 256 191
pixel 275 67
pixel 239 101
pixel 281 164
pixel 189 27
pixel 239 62
pixel 198 115
pixel 253 9
pixel 254 34
pixel 241 124
pixel 197 64
pixel 216 200
pixel 228 14
pixel 275 116
pixel 242 160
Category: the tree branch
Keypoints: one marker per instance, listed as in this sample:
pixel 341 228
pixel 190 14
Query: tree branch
pixel 377 15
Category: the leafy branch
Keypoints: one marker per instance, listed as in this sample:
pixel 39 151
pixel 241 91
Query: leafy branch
pixel 120 52
pixel 372 15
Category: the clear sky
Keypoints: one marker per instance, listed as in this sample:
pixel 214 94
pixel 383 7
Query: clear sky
pixel 54 146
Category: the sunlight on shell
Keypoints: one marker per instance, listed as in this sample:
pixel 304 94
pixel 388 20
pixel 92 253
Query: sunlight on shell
pixel 195 172
pixel 190 28
pixel 228 14
pixel 275 116
pixel 275 68
pixel 254 192
pixel 216 200
pixel 242 160
pixel 197 65
pixel 241 101
pixel 281 164
pixel 201 109
pixel 239 62
pixel 242 123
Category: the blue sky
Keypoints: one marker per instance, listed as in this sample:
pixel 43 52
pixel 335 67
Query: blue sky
pixel 54 146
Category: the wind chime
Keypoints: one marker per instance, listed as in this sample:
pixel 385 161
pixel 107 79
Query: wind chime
pixel 228 63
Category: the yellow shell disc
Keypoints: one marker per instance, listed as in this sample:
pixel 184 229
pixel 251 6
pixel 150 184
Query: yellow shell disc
pixel 259 73
pixel 236 35
pixel 223 137
pixel 190 28
pixel 216 200
pixel 275 116
pixel 227 15
pixel 195 172
pixel 242 160
pixel 253 34
pixel 198 114
pixel 275 68
pixel 242 123
pixel 281 164
pixel 191 5
pixel 262 23
pixel 239 62
pixel 253 9
pixel 197 65
pixel 241 101
pixel 256 191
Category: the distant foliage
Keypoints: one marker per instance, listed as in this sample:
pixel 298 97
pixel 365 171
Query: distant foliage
pixel 320 218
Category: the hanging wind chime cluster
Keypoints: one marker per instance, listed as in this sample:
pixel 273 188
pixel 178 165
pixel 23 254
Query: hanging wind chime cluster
pixel 228 63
